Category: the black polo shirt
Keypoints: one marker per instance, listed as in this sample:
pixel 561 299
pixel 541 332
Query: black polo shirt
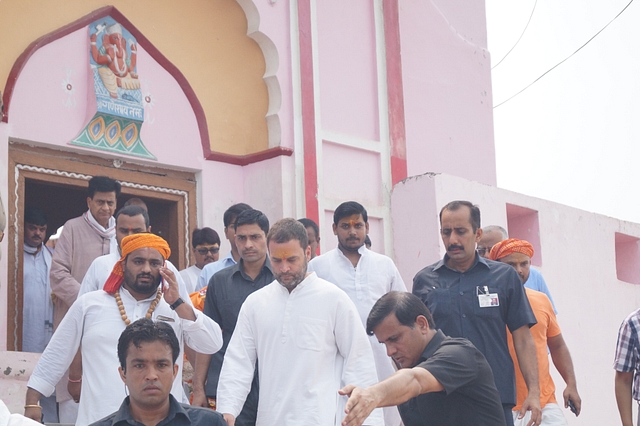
pixel 179 415
pixel 226 292
pixel 470 396
pixel 463 305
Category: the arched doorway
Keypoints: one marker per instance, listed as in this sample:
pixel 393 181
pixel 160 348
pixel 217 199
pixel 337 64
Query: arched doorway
pixel 56 182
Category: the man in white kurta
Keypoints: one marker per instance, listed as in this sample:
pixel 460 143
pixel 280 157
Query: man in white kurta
pixel 364 275
pixel 307 337
pixel 95 322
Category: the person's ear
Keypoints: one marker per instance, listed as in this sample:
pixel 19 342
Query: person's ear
pixel 123 374
pixel 175 371
pixel 422 323
pixel 335 229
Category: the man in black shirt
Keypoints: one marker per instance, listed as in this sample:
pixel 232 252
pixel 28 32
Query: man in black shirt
pixel 226 292
pixel 442 380
pixel 148 352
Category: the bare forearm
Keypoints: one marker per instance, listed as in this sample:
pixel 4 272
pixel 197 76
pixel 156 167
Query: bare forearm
pixel 200 370
pixel 562 359
pixel 623 384
pixel 526 352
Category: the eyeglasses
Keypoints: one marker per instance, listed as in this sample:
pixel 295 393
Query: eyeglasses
pixel 483 250
pixel 204 251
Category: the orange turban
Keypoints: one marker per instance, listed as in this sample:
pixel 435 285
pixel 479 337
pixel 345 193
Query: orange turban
pixel 510 246
pixel 129 244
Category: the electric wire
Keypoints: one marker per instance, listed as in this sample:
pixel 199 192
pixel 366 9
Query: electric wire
pixel 519 38
pixel 565 59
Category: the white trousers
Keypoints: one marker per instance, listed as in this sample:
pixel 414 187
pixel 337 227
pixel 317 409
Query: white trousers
pixel 551 416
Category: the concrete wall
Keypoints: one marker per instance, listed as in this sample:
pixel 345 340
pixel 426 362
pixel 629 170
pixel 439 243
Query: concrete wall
pixel 578 251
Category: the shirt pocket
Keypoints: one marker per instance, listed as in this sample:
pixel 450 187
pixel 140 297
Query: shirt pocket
pixel 492 308
pixel 311 333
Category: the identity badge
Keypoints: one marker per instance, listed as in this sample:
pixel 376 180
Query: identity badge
pixel 485 298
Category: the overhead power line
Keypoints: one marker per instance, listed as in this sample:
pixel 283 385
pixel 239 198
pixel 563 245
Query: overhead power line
pixel 519 38
pixel 565 59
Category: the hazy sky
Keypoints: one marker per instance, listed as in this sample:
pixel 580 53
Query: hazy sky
pixel 572 137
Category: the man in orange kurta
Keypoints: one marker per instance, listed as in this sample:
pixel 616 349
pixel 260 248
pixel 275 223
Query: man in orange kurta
pixel 546 333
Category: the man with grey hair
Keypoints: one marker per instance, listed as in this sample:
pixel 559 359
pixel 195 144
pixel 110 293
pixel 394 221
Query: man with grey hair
pixel 494 234
pixel 297 317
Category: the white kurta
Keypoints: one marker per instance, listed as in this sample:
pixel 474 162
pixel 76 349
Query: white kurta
pixel 190 277
pixel 308 343
pixel 101 268
pixel 374 276
pixel 37 307
pixel 94 321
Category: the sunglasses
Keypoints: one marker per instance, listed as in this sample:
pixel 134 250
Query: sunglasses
pixel 204 251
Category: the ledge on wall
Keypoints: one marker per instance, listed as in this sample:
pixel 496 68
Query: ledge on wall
pixel 627 258
pixel 523 224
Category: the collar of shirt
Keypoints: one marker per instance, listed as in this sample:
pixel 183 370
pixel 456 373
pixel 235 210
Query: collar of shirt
pixel 238 268
pixel 306 282
pixel 363 251
pixel 443 263
pixel 432 346
pixel 123 415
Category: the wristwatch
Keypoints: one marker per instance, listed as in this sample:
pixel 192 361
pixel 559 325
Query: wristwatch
pixel 177 303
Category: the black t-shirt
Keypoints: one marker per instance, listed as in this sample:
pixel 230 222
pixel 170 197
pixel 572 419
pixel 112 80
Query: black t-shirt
pixel 470 396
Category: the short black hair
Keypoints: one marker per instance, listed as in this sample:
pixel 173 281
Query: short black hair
pixel 233 212
pixel 103 184
pixel 145 330
pixel 35 216
pixel 288 229
pixel 133 210
pixel 204 236
pixel 349 208
pixel 474 216
pixel 251 216
pixel 308 223
pixel 406 306
pixel 135 201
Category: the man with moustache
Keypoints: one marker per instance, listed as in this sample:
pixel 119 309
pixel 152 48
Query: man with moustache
pixel 83 239
pixel 307 337
pixel 139 286
pixel 363 274
pixel 492 235
pixel 37 305
pixel 226 292
pixel 547 336
pixel 478 299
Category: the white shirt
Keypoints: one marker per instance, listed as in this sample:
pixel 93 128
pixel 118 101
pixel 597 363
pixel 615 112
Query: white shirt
pixel 37 308
pixel 190 277
pixel 212 268
pixel 101 268
pixel 95 322
pixel 374 276
pixel 308 343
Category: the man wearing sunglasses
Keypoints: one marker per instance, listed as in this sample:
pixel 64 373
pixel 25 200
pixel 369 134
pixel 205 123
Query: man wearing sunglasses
pixel 206 249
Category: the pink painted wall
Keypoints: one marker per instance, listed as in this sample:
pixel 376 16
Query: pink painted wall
pixel 347 63
pixel 579 266
pixel 447 89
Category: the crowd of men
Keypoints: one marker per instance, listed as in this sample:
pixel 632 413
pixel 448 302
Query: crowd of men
pixel 278 334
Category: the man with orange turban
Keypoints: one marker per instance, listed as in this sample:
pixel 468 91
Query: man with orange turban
pixel 139 286
pixel 546 333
